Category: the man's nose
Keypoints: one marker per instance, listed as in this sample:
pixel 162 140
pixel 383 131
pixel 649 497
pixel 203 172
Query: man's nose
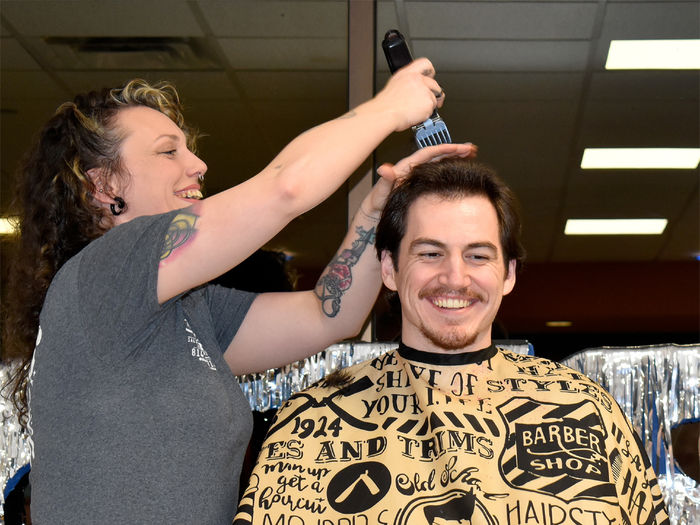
pixel 454 272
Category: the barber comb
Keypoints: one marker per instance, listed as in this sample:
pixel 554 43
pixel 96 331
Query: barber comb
pixel 433 131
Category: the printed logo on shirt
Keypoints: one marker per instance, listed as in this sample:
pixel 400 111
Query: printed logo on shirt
pixel 197 349
pixel 456 506
pixel 358 487
pixel 562 453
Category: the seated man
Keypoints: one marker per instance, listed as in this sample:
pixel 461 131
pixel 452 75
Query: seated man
pixel 448 428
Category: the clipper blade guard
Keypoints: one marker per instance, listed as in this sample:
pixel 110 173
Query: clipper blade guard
pixel 432 132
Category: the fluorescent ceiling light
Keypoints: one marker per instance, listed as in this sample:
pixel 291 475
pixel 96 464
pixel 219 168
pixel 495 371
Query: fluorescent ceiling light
pixel 640 158
pixel 7 225
pixel 653 54
pixel 615 226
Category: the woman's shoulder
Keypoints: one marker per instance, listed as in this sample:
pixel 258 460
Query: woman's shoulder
pixel 155 224
pixel 106 257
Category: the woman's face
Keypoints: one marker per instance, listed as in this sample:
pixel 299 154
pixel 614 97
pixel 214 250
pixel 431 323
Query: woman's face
pixel 162 174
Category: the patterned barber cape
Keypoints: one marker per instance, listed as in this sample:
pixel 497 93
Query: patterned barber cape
pixel 489 437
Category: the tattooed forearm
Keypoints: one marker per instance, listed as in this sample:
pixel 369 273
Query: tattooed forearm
pixel 180 232
pixel 338 276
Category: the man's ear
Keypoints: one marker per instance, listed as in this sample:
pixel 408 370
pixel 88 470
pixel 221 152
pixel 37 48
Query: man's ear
pixel 388 271
pixel 509 283
pixel 103 191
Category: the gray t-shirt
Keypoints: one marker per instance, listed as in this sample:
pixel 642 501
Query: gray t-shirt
pixel 135 416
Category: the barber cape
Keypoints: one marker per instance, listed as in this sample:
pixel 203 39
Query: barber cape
pixel 488 437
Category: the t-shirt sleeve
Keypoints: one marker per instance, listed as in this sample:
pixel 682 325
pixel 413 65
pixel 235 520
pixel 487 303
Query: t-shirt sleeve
pixel 118 278
pixel 228 308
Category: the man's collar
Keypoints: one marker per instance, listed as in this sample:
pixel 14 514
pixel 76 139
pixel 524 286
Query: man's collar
pixel 456 358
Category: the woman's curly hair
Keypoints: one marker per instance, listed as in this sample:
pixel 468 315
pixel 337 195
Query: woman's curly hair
pixel 57 215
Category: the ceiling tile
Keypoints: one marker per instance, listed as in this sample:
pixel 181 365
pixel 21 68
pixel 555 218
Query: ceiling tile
pixel 386 20
pixel 529 139
pixel 504 55
pixel 276 19
pixel 286 53
pixel 478 86
pixel 190 85
pixel 14 57
pixel 23 85
pixel 497 20
pixel 101 18
pixel 295 85
pixel 641 123
pixel 651 20
pixel 629 194
pixel 649 85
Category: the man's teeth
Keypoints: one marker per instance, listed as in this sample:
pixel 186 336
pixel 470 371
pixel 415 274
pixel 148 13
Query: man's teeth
pixel 452 303
pixel 189 194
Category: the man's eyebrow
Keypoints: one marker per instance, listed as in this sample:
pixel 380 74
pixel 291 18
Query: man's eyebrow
pixel 484 244
pixel 426 241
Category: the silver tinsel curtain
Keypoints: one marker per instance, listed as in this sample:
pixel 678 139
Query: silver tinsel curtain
pixel 658 387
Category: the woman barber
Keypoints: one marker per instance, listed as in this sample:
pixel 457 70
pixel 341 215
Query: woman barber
pixel 133 409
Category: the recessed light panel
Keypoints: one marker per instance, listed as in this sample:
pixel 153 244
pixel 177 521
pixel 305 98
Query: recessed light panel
pixel 653 54
pixel 615 226
pixel 640 158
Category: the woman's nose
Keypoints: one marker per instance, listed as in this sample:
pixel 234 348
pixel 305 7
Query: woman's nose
pixel 199 167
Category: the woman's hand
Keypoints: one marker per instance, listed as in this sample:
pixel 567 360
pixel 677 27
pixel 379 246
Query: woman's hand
pixel 392 174
pixel 411 94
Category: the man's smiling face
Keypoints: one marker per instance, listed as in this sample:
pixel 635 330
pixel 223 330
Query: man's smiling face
pixel 451 274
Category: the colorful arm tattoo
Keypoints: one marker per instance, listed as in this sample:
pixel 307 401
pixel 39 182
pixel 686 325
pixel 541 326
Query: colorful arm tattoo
pixel 180 232
pixel 338 278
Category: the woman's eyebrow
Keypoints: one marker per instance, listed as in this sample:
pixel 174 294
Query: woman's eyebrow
pixel 167 136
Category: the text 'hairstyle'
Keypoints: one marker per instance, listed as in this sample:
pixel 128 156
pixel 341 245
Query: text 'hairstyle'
pixel 57 215
pixel 451 178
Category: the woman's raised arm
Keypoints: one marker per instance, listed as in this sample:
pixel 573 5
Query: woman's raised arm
pixel 219 232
